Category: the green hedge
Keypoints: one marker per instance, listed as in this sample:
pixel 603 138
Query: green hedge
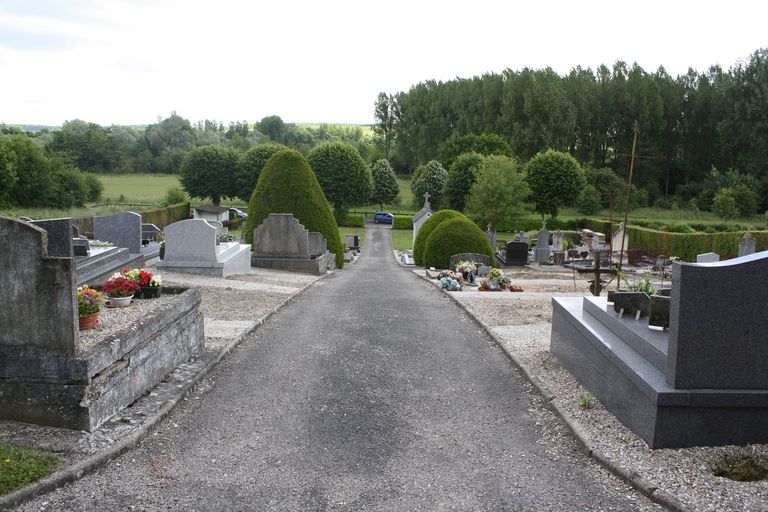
pixel 162 217
pixel 426 229
pixel 455 236
pixel 353 220
pixel 402 223
pixel 288 185
pixel 683 245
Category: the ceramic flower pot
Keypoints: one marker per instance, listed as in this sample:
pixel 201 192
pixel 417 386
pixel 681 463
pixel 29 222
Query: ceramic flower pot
pixel 89 322
pixel 120 302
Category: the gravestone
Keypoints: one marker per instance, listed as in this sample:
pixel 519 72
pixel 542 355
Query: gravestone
pixel 122 229
pixel 672 387
pixel 282 242
pixel 483 271
pixel 46 375
pixel 473 257
pixel 616 241
pixel 192 247
pixel 707 257
pixel 149 231
pixel 421 217
pixel 352 242
pixel 516 254
pixel 541 254
pixel 59 236
pixel 557 241
pixel 81 247
pixel 747 244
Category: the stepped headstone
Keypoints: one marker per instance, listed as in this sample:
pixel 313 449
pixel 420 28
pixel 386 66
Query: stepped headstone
pixel 122 229
pixel 747 244
pixel 707 257
pixel 39 295
pixel 59 236
pixel 282 242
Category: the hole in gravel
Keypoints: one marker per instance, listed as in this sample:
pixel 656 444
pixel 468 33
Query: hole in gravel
pixel 741 468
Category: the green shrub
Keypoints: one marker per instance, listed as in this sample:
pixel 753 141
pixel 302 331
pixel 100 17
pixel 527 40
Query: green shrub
pixel 95 187
pixel 426 229
pixel 455 236
pixel 174 195
pixel 588 201
pixel 250 166
pixel 288 185
pixel 342 173
pixel 402 223
pixel 353 220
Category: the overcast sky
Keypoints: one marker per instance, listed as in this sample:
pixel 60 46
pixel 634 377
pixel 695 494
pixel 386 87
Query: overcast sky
pixel 134 61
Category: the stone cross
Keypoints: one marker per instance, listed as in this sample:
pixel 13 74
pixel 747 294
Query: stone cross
pixel 426 200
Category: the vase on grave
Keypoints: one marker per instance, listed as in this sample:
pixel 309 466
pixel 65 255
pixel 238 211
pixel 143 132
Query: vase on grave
pixel 89 322
pixel 150 292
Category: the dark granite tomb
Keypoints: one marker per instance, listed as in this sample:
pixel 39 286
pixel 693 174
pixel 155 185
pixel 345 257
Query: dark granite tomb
pixel 704 382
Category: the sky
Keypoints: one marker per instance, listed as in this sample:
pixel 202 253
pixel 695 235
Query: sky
pixel 132 62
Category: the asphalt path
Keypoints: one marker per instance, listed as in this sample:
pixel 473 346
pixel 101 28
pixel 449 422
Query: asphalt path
pixel 371 392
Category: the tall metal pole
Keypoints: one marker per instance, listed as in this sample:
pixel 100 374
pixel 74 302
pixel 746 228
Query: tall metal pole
pixel 629 196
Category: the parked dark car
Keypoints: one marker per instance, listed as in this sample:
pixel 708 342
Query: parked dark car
pixel 383 218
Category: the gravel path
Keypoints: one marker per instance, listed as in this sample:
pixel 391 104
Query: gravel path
pixel 373 391
pixel 523 323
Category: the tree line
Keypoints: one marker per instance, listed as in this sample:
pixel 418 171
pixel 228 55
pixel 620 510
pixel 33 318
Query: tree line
pixel 700 134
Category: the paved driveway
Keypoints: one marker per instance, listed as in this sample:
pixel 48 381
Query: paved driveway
pixel 374 392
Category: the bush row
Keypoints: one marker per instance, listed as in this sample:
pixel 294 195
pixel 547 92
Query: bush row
pixel 684 245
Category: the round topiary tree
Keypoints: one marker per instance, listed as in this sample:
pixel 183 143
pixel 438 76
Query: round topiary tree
pixel 426 229
pixel 250 166
pixel 288 185
pixel 455 236
pixel 342 173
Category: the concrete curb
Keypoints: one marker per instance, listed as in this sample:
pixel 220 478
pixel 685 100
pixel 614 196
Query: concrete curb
pixel 95 461
pixel 657 495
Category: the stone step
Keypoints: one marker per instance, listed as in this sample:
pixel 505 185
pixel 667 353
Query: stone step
pixel 649 343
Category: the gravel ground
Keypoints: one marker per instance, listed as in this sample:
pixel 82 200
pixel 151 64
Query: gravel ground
pixel 523 322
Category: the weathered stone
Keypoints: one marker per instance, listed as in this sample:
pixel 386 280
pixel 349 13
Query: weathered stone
pixel 747 244
pixel 282 242
pixel 38 300
pixel 472 257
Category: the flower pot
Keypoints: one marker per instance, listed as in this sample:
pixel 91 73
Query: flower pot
pixel 162 252
pixel 89 322
pixel 150 292
pixel 120 302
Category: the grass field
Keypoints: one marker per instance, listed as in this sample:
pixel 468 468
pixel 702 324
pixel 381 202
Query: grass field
pixel 137 188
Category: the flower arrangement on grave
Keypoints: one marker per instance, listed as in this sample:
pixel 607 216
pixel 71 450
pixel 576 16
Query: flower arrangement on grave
pixel 450 274
pixel 119 287
pixel 160 238
pixel 496 280
pixel 450 284
pixel 149 283
pixel 89 301
pixel 99 243
pixel 467 269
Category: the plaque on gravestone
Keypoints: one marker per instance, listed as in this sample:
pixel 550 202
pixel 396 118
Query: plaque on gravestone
pixel 516 254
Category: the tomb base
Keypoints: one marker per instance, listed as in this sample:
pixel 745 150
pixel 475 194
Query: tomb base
pixel 623 363
pixel 232 258
pixel 83 389
pixel 317 266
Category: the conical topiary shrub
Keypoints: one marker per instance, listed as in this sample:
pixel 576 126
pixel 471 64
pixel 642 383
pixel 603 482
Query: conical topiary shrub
pixel 426 229
pixel 288 185
pixel 455 236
